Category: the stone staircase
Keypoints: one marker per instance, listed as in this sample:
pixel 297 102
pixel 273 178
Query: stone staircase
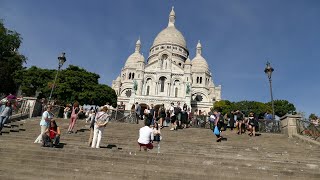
pixel 185 154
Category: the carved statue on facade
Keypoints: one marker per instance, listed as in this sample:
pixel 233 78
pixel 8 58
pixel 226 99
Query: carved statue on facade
pixel 135 85
pixel 188 89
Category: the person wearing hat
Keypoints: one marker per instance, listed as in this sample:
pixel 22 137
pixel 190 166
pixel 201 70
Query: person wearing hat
pixel 101 120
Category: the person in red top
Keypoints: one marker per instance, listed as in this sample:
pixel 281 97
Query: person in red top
pixel 52 135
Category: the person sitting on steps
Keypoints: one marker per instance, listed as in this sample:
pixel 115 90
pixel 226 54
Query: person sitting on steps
pixel 51 137
pixel 146 137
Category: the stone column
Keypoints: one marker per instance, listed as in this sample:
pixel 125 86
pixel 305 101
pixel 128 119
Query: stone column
pixel 156 89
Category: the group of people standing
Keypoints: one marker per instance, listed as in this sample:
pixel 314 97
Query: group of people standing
pixel 235 119
pixel 176 115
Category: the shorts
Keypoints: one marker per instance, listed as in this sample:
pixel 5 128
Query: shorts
pixel 156 138
pixel 149 146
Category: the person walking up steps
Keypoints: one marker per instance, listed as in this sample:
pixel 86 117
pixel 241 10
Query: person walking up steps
pixel 74 117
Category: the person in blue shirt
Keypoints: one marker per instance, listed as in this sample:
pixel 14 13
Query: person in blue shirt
pixel 5 113
pixel 268 116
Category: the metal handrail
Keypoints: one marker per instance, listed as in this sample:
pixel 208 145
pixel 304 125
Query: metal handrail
pixel 307 128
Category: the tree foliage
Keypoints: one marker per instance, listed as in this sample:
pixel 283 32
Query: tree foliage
pixel 281 107
pixel 10 59
pixel 73 84
pixel 34 79
pixel 313 116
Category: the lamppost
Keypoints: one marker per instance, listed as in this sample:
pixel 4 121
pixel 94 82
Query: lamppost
pixel 62 59
pixel 268 70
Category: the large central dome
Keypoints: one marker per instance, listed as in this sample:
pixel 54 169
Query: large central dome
pixel 170 35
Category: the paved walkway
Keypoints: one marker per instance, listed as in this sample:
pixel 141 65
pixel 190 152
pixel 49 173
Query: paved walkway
pixel 185 154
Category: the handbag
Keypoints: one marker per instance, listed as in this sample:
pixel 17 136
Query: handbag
pixel 216 131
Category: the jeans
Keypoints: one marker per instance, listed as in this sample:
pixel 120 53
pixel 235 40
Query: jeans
pixel 47 142
pixel 3 120
pixel 39 138
pixel 97 135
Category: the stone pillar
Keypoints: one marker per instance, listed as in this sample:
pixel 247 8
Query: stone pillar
pixel 289 124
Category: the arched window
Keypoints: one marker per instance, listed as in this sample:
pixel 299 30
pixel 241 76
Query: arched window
pixel 200 80
pixel 129 75
pixel 197 80
pixel 148 90
pixel 176 92
pixel 132 75
pixel 162 80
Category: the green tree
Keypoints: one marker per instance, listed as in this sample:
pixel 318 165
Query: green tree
pixel 246 107
pixel 282 107
pixel 11 60
pixel 73 84
pixel 313 116
pixel 224 106
pixel 34 79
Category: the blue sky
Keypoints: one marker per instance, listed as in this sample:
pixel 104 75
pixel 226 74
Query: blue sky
pixel 238 37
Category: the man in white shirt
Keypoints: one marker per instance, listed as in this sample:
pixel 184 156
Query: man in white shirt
pixel 173 118
pixel 146 137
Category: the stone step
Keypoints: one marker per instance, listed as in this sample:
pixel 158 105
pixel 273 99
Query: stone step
pixel 185 154
pixel 150 166
pixel 50 154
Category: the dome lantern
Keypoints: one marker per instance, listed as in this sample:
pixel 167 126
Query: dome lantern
pixel 199 48
pixel 172 18
pixel 138 45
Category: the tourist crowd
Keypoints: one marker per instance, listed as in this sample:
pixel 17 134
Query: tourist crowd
pixel 175 117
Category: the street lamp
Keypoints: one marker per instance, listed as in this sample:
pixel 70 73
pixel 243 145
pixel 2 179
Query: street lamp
pixel 62 59
pixel 268 70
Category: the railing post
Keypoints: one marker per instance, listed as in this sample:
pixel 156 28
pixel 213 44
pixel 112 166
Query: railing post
pixel 289 124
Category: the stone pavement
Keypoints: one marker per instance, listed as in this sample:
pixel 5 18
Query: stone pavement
pixel 185 154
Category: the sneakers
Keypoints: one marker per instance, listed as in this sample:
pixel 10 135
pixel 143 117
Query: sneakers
pixel 172 129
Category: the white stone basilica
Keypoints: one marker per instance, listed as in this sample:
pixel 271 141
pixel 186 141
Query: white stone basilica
pixel 168 75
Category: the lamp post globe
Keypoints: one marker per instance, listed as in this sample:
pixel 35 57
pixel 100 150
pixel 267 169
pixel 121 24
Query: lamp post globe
pixel 62 59
pixel 268 71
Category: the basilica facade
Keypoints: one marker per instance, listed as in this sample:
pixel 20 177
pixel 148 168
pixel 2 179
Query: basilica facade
pixel 168 74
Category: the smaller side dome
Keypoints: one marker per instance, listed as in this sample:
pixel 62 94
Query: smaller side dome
pixel 136 57
pixel 199 64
